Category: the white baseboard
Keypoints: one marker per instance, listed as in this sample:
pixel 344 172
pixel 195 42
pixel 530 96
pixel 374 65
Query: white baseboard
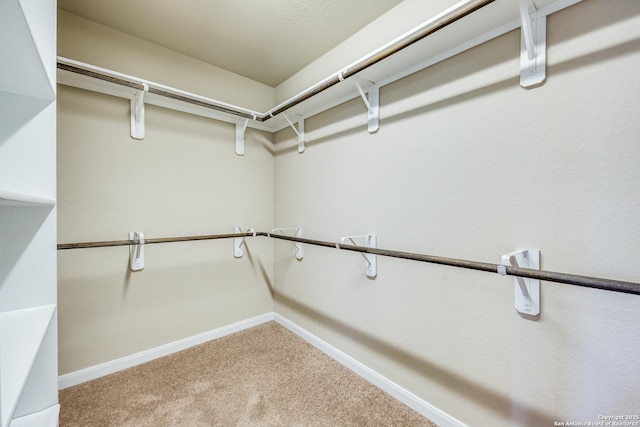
pixel 411 400
pixel 97 371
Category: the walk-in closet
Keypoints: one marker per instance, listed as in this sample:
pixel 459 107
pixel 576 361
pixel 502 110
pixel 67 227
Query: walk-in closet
pixel 388 212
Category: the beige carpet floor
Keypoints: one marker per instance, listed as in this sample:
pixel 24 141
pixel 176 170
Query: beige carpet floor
pixel 263 376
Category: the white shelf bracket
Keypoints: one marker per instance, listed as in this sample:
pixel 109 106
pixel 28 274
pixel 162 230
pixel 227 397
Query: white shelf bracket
pixel 137 113
pixel 527 291
pixel 136 252
pixel 298 245
pixel 533 46
pixel 238 242
pixel 299 131
pixel 240 128
pixel 372 102
pixel 370 241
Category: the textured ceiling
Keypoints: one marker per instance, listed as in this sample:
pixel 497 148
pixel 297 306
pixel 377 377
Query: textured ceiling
pixel 264 40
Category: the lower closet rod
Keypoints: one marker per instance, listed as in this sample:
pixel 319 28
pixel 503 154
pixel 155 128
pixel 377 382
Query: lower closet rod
pixel 108 243
pixel 551 276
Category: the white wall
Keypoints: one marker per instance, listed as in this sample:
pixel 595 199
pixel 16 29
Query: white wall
pixel 183 179
pixel 96 44
pixel 402 18
pixel 467 164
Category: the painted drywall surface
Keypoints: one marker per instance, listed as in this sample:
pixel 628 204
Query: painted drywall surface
pixel 397 21
pixel 467 164
pixel 87 41
pixel 183 179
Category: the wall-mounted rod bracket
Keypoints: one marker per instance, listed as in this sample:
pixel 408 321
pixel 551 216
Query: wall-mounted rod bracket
pixel 137 113
pixel 136 251
pixel 299 131
pixel 533 45
pixel 238 242
pixel 298 233
pixel 527 290
pixel 240 128
pixel 372 101
pixel 370 241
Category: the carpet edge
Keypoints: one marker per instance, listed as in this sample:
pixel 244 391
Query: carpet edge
pixel 112 366
pixel 424 408
pixel 411 400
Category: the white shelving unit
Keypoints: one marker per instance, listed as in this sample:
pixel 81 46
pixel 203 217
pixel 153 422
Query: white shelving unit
pixel 28 331
pixel 27 74
pixel 21 332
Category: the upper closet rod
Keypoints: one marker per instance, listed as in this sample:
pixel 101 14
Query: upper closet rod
pixel 154 88
pixel 440 21
pixel 429 27
pixel 571 279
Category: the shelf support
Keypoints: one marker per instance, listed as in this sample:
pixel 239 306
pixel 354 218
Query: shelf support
pixel 298 245
pixel 238 242
pixel 136 251
pixel 299 131
pixel 533 46
pixel 137 113
pixel 240 128
pixel 370 241
pixel 527 290
pixel 372 101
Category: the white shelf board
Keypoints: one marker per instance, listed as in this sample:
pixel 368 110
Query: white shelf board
pixel 12 198
pixel 491 21
pixel 23 71
pixel 21 334
pixel 72 79
pixel 17 111
pixel 483 25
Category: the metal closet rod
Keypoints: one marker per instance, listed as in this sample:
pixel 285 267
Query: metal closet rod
pixel 375 57
pixel 108 243
pixel 551 276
